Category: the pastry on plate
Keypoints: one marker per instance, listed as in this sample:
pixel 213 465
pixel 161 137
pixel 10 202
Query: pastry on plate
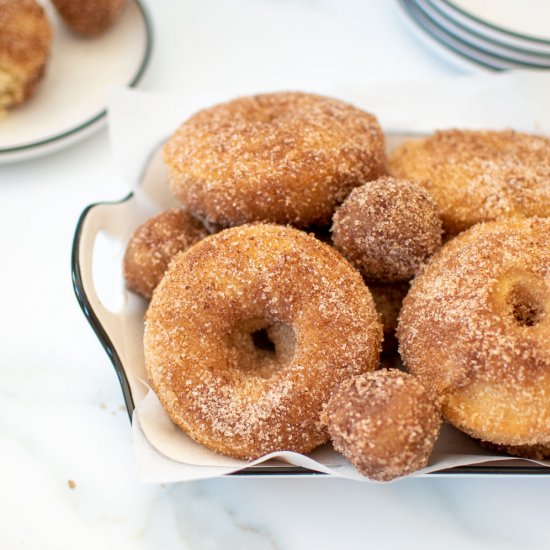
pixel 25 42
pixel 89 17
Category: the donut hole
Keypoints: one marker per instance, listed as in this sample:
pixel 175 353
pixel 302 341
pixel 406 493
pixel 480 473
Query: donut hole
pixel 526 305
pixel 263 348
pixel 523 297
pixel 262 341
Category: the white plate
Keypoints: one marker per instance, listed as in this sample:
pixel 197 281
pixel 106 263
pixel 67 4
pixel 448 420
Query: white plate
pixel 70 102
pixel 490 32
pixel 439 41
pixel 482 42
pixel 527 18
pixel 445 37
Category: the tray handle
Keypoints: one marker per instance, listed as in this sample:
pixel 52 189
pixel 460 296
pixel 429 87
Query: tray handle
pixel 90 224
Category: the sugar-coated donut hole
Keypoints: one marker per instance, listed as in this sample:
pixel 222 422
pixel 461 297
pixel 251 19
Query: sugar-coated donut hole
pixel 89 18
pixel 387 228
pixel 154 244
pixel 384 422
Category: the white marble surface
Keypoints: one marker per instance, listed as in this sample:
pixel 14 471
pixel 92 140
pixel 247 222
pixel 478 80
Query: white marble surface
pixel 61 412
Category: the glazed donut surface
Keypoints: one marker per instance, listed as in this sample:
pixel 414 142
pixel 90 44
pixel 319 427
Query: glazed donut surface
pixel 282 157
pixel 479 176
pixel 248 334
pixel 476 326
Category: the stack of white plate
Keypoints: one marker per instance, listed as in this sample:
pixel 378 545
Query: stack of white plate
pixel 495 34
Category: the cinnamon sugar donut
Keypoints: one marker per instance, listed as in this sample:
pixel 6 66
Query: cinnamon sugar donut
pixel 89 17
pixel 534 452
pixel 387 228
pixel 476 327
pixel 248 334
pixel 477 176
pixel 153 245
pixel 280 157
pixel 385 423
pixel 25 43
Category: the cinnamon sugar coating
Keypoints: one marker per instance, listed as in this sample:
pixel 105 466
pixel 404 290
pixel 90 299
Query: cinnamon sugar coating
pixel 385 423
pixel 535 452
pixel 25 43
pixel 281 157
pixel 477 176
pixel 249 333
pixel 475 326
pixel 387 228
pixel 89 17
pixel 154 244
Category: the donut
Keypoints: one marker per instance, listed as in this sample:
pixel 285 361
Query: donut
pixel 388 298
pixel 477 176
pixel 25 42
pixel 153 245
pixel 475 326
pixel 248 334
pixel 387 228
pixel 281 157
pixel 385 423
pixel 533 452
pixel 89 17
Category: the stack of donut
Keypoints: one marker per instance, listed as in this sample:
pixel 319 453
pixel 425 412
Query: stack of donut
pixel 260 337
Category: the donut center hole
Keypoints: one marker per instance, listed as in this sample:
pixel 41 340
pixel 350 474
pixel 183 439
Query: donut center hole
pixel 261 349
pixel 262 342
pixel 526 306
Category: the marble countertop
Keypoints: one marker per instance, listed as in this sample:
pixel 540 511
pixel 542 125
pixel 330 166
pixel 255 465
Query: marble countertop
pixel 66 465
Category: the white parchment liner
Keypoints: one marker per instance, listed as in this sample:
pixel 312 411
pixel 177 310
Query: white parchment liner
pixel 140 121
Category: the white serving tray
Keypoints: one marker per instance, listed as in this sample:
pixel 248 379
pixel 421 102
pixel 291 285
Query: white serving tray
pixel 120 327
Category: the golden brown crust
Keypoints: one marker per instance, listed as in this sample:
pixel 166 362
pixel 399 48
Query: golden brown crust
pixel 154 244
pixel 25 42
pixel 534 452
pixel 236 397
pixel 476 327
pixel 385 423
pixel 477 176
pixel 387 228
pixel 89 17
pixel 281 157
